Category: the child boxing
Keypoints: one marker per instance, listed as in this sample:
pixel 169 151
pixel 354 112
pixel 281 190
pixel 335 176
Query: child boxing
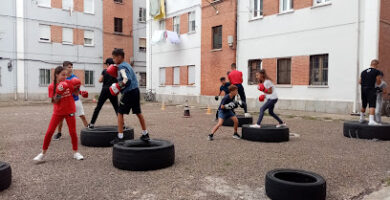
pixel 128 86
pixel 225 111
pixel 223 88
pixel 266 86
pixel 60 92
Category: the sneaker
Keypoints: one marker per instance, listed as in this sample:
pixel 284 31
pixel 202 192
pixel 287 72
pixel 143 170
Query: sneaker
pixel 236 136
pixel 39 158
pixel 281 125
pixel 91 126
pixel 116 140
pixel 57 136
pixel 78 156
pixel 255 126
pixel 374 123
pixel 210 137
pixel 145 137
pixel 247 115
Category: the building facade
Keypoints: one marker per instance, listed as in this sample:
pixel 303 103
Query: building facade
pixel 40 35
pixel 139 41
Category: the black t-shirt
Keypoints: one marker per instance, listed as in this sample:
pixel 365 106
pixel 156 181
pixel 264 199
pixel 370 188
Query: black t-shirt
pixel 226 99
pixel 108 80
pixel 368 77
pixel 225 88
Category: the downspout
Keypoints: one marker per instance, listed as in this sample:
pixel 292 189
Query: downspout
pixel 357 93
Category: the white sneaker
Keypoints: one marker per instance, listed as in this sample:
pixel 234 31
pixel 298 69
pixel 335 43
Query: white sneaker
pixel 255 126
pixel 281 125
pixel 39 158
pixel 374 123
pixel 78 156
pixel 247 115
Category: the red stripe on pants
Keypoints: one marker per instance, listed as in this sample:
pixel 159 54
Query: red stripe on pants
pixel 55 120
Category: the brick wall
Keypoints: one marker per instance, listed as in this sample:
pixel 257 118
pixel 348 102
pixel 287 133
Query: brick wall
pixel 56 3
pixel 184 23
pixel 78 5
pixel 300 70
pixel 270 7
pixel 269 65
pixel 113 40
pixel 56 34
pixel 169 24
pixel 384 40
pixel 169 76
pixel 299 4
pixel 78 36
pixel 215 64
pixel 184 75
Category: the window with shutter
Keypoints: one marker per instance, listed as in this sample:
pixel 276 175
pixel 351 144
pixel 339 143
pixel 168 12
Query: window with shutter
pixel 284 71
pixel 217 37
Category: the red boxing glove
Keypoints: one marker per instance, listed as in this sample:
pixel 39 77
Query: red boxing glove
pixel 62 87
pixel 262 98
pixel 76 82
pixel 84 94
pixel 115 89
pixel 262 88
pixel 112 70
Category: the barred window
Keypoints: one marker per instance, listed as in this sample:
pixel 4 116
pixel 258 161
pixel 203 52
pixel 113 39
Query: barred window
pixel 89 78
pixel 253 67
pixel 319 69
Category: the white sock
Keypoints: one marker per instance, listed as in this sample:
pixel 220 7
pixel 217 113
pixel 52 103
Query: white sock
pixel 372 118
pixel 361 116
pixel 144 132
pixel 120 135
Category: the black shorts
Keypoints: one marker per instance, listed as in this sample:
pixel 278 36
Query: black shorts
pixel 368 97
pixel 130 101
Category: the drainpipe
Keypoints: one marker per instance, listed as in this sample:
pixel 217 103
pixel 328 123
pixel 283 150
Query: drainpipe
pixel 357 92
pixel 20 67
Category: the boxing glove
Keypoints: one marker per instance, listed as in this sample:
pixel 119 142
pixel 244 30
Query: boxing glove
pixel 112 70
pixel 230 106
pixel 216 98
pixel 116 88
pixel 76 83
pixel 84 94
pixel 262 88
pixel 262 98
pixel 62 87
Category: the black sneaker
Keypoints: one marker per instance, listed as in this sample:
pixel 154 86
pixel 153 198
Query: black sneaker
pixel 145 137
pixel 211 137
pixel 236 136
pixel 57 136
pixel 91 126
pixel 116 140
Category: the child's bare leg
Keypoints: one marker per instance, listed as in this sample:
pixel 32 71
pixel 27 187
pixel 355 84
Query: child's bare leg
pixel 82 117
pixel 216 127
pixel 142 121
pixel 120 126
pixel 235 121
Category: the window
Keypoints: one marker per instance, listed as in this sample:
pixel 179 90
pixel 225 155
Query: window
pixel 257 8
pixel 89 38
pixel 162 24
pixel 162 76
pixel 217 37
pixel 67 4
pixel 191 22
pixel 316 2
pixel 176 24
pixel 89 6
pixel 176 75
pixel 45 3
pixel 253 67
pixel 67 36
pixel 284 71
pixel 118 1
pixel 44 33
pixel 142 80
pixel 319 69
pixel 142 44
pixel 89 81
pixel 118 25
pixel 286 5
pixel 44 77
pixel 142 15
pixel 191 75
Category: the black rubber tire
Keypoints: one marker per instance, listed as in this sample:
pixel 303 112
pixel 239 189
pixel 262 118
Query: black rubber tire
pixel 267 133
pixel 355 129
pixel 101 136
pixel 137 155
pixel 282 184
pixel 5 175
pixel 241 121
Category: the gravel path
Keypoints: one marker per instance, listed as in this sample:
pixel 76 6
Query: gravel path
pixel 222 169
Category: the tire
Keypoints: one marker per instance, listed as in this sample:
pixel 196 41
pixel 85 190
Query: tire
pixel 282 184
pixel 241 121
pixel 355 129
pixel 5 175
pixel 101 136
pixel 267 133
pixel 137 155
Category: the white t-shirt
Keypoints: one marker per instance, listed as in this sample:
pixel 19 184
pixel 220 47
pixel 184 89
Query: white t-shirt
pixel 268 84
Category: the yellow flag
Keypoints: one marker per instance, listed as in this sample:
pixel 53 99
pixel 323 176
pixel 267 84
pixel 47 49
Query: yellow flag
pixel 162 11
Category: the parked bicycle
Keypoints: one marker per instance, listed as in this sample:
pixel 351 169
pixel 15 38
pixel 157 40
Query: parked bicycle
pixel 150 95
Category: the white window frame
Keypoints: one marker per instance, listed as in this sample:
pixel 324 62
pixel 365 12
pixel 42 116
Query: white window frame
pixel 43 39
pixel 142 15
pixel 89 35
pixel 176 24
pixel 91 78
pixel 65 31
pixel 321 2
pixel 44 3
pixel 289 4
pixel 161 24
pixel 176 76
pixel 65 4
pixel 162 75
pixel 139 46
pixel 191 20
pixel 92 10
pixel 191 75
pixel 258 10
pixel 47 74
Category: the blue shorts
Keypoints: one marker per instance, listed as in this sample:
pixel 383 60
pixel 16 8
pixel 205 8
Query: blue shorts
pixel 227 114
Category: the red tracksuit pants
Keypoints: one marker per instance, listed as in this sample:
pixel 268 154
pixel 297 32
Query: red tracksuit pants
pixel 55 120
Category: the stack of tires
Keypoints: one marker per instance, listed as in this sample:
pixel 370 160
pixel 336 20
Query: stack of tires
pixel 101 136
pixel 355 129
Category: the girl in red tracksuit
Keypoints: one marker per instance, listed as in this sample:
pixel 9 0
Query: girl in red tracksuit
pixel 60 92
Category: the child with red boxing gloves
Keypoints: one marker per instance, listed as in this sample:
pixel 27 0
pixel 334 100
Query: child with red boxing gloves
pixel 60 92
pixel 268 88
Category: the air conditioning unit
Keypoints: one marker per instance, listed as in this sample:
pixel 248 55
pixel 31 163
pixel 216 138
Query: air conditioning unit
pixel 230 40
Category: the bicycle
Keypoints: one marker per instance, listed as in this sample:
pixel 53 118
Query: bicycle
pixel 387 108
pixel 150 96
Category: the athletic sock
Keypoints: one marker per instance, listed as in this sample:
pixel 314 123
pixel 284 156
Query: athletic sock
pixel 120 135
pixel 144 132
pixel 361 116
pixel 372 118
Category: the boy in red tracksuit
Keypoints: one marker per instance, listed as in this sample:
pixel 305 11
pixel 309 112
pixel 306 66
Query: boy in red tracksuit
pixel 60 92
pixel 235 78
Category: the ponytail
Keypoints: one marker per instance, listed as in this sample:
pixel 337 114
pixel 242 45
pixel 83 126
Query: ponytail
pixel 57 71
pixel 266 77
